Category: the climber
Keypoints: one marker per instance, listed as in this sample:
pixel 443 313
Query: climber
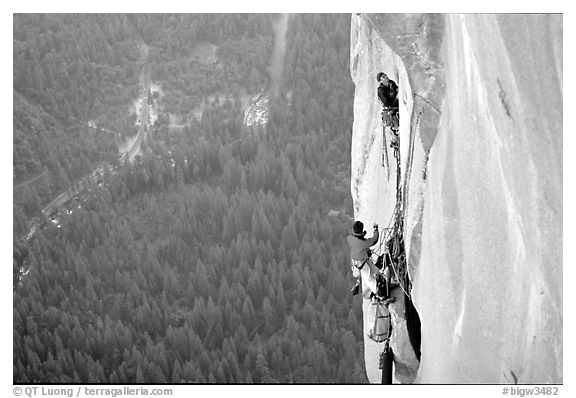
pixel 362 265
pixel 388 95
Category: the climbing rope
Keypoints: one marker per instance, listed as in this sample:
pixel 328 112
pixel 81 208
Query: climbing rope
pixel 377 192
pixel 394 230
pixel 387 231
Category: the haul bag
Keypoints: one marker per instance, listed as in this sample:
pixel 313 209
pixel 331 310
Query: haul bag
pixel 380 330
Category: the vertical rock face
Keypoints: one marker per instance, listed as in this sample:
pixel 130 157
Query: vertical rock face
pixel 374 173
pixel 481 173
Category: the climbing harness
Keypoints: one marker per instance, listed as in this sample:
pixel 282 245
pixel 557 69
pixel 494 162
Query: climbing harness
pixel 390 117
pixel 355 268
pixel 356 262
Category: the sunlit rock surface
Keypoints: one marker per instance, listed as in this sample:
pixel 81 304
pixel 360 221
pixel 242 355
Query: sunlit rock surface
pixel 481 101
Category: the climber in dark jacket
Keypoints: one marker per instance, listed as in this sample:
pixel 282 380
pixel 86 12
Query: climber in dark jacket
pixel 362 265
pixel 388 96
pixel 387 91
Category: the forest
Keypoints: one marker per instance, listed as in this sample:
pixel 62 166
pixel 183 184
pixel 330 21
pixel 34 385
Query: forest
pixel 219 255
